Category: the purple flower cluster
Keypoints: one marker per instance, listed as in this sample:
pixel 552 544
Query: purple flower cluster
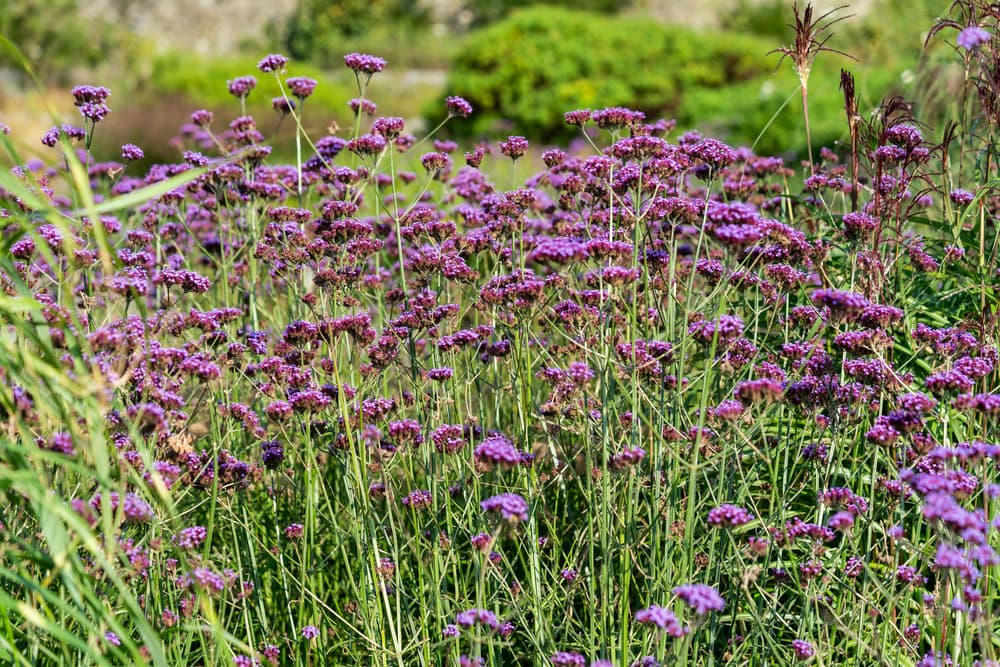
pixel 664 619
pixel 729 516
pixel 510 506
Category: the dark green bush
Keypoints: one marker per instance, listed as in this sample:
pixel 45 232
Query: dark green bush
pixel 543 61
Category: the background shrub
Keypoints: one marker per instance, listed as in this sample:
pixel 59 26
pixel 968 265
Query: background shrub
pixel 543 61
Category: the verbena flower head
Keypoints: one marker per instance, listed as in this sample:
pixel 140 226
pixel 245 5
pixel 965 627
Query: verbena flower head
pixel 241 86
pixel 131 153
pixel 90 95
pixel 802 649
pixel 201 117
pixel 458 107
pixel 310 632
pixel 514 147
pixel 701 598
pixel 664 619
pixel 94 112
pixel 510 506
pixel 483 617
pixel 301 86
pixel 613 118
pixel 498 450
pixel 362 105
pixel 729 516
pixel 362 62
pixel 272 63
pixel 71 132
pixel 190 538
pixel 972 37
pixel 283 105
pixel 568 659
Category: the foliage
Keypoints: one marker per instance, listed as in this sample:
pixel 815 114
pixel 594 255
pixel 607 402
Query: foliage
pixel 53 36
pixel 541 62
pixel 766 112
pixel 318 29
pixel 202 80
pixel 490 11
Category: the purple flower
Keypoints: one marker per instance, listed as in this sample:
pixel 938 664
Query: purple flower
pixel 112 639
pixel 136 509
pixel 241 86
pixel 498 450
pixel 458 106
pixel 960 197
pixel 201 117
pixel 729 516
pixel 131 153
pixel 701 598
pixel 310 632
pixel 94 112
pixel 613 117
pixel 90 95
pixel 841 520
pixel 450 630
pixel 418 499
pixel 272 454
pixel 662 618
pixel 440 374
pixel 435 161
pixel 578 118
pixel 511 506
pixel 514 147
pixel 389 127
pixel 283 105
pixel 71 132
pixel 972 37
pixel 361 105
pixel 362 62
pixel 272 63
pixel 367 144
pixel 301 86
pixel 483 617
pixel 567 659
pixel 803 650
pixel 190 538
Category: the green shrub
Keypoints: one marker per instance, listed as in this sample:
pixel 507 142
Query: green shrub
pixel 543 61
